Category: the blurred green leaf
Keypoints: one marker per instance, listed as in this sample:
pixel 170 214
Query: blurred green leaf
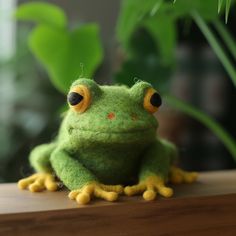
pixel 141 44
pixel 225 4
pixel 215 127
pixel 160 18
pixel 62 52
pixel 226 37
pixel 219 5
pixel 42 13
pixel 207 9
pixel 216 46
pixel 144 63
pixel 227 9
pixel 149 69
pixel 163 32
pixel 63 110
pixel 131 14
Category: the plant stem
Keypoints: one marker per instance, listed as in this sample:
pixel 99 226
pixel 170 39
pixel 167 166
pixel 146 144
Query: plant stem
pixel 215 46
pixel 226 36
pixel 215 127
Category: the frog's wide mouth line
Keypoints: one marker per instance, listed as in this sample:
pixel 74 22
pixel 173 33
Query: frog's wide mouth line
pixel 120 133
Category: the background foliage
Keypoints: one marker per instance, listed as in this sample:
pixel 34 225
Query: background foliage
pixel 65 53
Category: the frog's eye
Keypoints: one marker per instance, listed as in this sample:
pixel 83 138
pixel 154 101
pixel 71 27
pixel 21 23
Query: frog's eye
pixel 152 100
pixel 79 98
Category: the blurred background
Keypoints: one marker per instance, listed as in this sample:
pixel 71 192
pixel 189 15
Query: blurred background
pixel 31 105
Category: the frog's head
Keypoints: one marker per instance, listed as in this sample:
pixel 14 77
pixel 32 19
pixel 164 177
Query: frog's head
pixel 112 114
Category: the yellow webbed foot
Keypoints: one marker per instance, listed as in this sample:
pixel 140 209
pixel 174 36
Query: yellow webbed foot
pixel 38 182
pixel 106 192
pixel 150 187
pixel 178 176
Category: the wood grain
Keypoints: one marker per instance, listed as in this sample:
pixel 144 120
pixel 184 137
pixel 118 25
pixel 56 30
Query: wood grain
pixel 205 208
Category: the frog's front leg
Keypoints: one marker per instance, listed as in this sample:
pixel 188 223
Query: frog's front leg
pixel 154 172
pixel 82 183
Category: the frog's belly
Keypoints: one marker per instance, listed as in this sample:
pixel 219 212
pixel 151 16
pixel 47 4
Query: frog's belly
pixel 113 169
pixel 118 174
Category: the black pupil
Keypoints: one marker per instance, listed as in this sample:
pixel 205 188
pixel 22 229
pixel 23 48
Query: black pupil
pixel 74 98
pixel 155 100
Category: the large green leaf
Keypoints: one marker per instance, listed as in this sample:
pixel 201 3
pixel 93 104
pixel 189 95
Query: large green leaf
pixel 143 63
pixel 42 13
pixel 134 12
pixel 207 9
pixel 131 14
pixel 149 69
pixel 62 52
pixel 163 32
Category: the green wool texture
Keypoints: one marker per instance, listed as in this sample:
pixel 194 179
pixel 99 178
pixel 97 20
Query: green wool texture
pixel 113 141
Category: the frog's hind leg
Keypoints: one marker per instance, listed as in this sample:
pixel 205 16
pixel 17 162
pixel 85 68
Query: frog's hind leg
pixel 178 176
pixel 40 161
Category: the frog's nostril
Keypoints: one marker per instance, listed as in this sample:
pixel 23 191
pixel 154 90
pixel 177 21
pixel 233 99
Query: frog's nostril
pixel 111 116
pixel 134 116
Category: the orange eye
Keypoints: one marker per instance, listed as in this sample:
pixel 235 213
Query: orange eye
pixel 152 100
pixel 79 98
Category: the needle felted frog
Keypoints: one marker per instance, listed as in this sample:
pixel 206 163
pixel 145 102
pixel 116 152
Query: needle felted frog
pixel 108 140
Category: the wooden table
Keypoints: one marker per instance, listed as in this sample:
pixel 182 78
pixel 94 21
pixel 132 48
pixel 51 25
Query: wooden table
pixel 205 208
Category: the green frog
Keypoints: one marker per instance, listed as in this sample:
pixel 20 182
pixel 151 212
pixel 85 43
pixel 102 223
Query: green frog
pixel 107 145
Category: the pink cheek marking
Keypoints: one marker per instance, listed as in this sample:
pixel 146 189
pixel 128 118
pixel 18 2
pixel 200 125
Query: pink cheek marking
pixel 111 116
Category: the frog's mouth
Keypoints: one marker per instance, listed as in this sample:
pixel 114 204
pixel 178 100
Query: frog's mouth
pixel 110 136
pixel 131 131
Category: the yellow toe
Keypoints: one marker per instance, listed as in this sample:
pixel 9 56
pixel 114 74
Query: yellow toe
pixel 190 177
pixel 22 184
pixel 119 189
pixel 51 186
pixel 112 196
pixel 83 198
pixel 73 194
pixel 112 188
pixel 194 176
pixel 149 195
pixel 35 188
pixel 176 179
pixel 135 189
pixel 166 192
pixel 128 191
